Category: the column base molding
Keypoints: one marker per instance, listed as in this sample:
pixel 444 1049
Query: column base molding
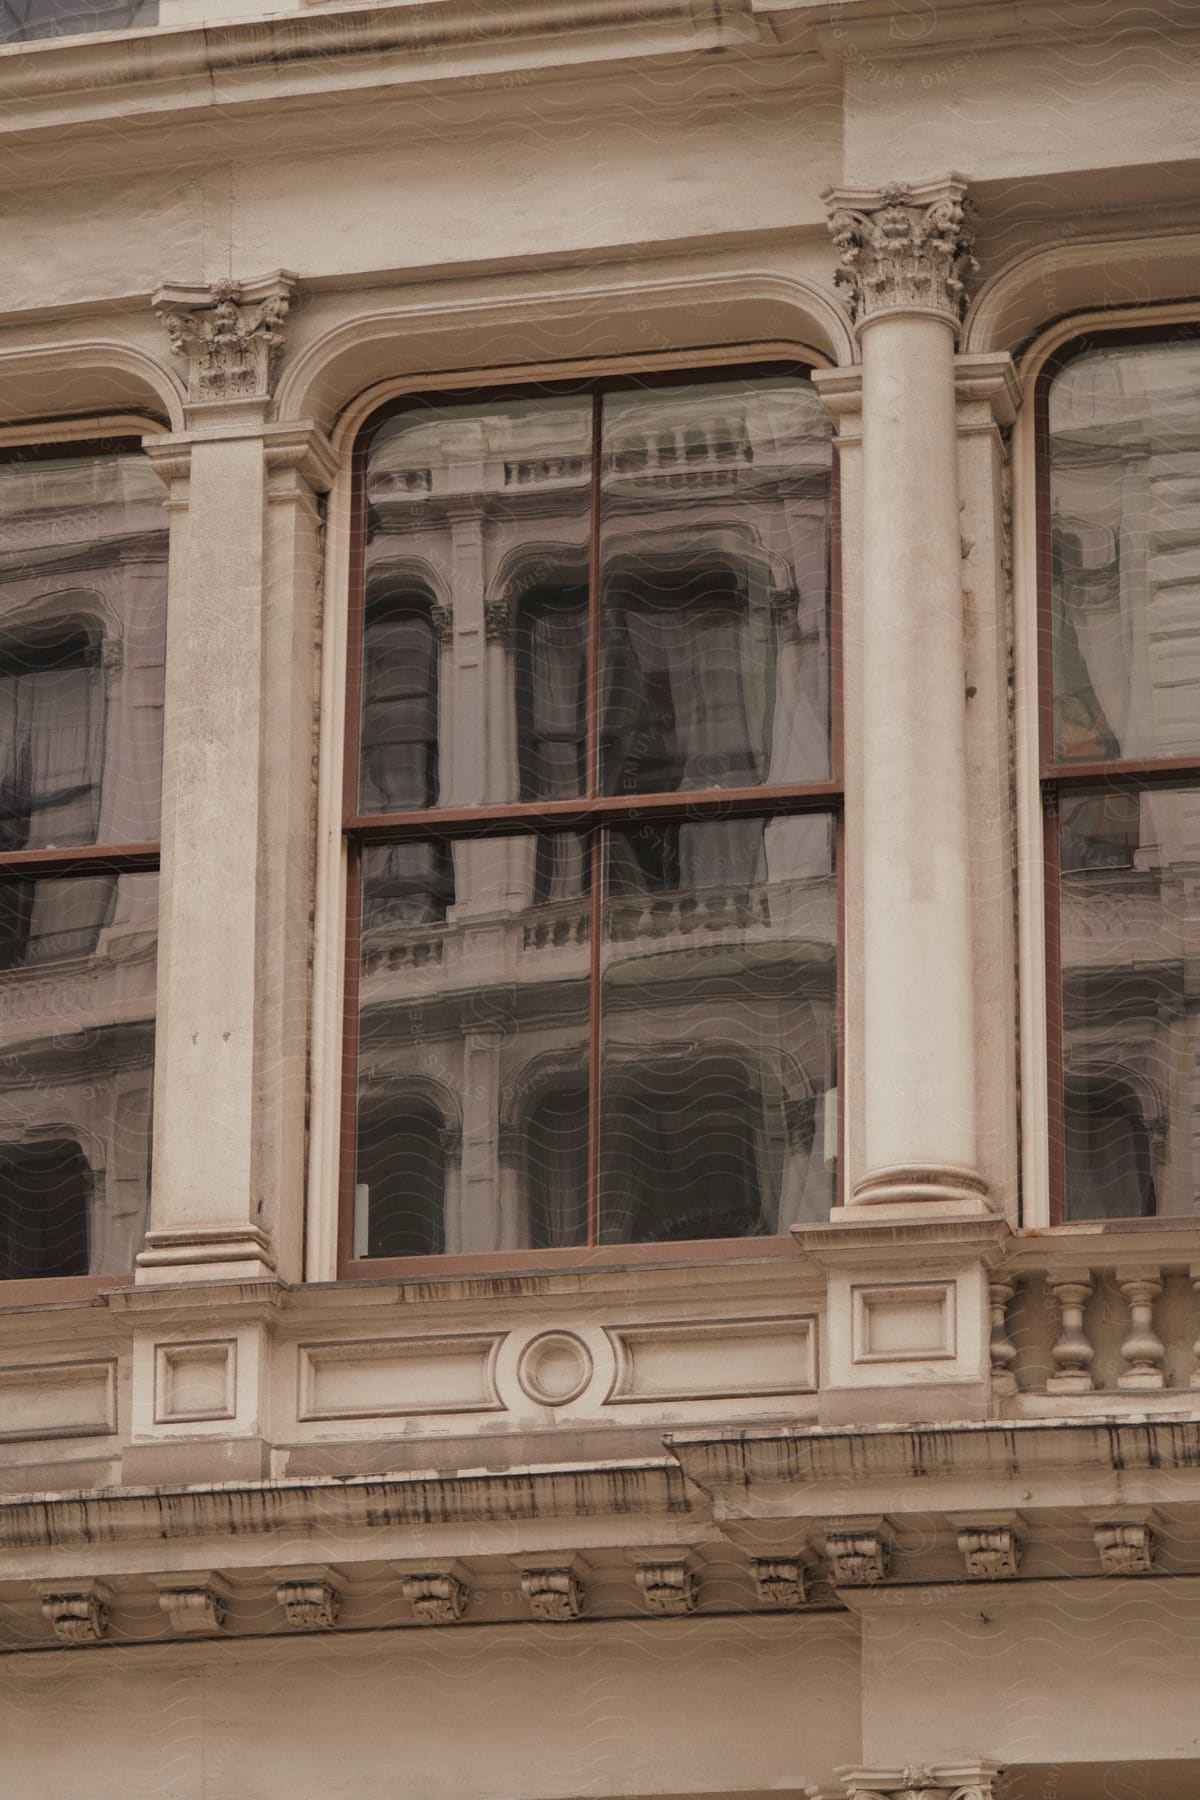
pixel 935 1189
pixel 206 1253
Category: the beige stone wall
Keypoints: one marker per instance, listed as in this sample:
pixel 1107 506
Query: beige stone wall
pixel 858 1500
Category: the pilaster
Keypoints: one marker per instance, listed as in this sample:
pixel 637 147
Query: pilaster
pixel 237 798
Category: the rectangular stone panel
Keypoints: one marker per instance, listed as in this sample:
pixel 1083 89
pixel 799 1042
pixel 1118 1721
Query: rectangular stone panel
pixel 397 1377
pixel 729 1359
pixel 48 1400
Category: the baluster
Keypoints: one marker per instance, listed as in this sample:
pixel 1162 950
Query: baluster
pixel 1003 1351
pixel 1143 1349
pixel 1071 1352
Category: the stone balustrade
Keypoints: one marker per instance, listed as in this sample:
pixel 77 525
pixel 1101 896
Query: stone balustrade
pixel 1075 1329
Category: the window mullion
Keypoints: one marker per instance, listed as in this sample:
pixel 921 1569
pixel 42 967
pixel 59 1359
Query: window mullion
pixel 596 866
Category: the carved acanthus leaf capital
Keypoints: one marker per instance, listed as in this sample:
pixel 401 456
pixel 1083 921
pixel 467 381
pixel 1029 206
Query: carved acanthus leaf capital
pixel 903 248
pixel 231 334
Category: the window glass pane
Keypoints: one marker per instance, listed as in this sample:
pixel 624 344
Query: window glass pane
pixel 77 974
pixel 1131 1043
pixel 21 20
pixel 717 1028
pixel 1125 551
pixel 472 1047
pixel 83 567
pixel 399 748
pixel 714 582
pixel 480 514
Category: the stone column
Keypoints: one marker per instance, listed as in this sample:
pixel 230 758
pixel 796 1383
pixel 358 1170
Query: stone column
pixel 903 254
pixel 227 1179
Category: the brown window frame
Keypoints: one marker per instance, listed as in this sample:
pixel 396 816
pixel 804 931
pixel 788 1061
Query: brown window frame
pixel 591 812
pixel 85 859
pixel 1058 779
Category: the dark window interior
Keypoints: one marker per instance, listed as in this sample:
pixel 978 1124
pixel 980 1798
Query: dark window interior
pixel 45 1191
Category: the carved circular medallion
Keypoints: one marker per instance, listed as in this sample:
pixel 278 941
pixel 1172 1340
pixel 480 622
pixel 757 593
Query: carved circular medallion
pixel 554 1368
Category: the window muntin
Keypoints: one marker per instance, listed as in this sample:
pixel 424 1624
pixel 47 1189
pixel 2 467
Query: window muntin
pixel 1120 547
pixel 636 782
pixel 83 559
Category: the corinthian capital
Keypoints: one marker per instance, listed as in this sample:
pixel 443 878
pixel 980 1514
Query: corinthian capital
pixel 231 334
pixel 902 248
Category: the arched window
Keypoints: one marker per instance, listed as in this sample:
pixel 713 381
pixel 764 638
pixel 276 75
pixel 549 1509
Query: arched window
pixel 681 1156
pixel 630 844
pixel 401 1192
pixel 83 565
pixel 45 1201
pixel 1119 436
pixel 1107 1147
pixel 556 1145
pixel 399 739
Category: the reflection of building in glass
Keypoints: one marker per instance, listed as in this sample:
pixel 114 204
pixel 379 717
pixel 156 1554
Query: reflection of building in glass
pixel 82 621
pixel 716 958
pixel 1125 495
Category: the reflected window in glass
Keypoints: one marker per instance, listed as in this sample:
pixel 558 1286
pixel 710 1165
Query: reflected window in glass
pixel 83 563
pixel 621 1028
pixel 1119 422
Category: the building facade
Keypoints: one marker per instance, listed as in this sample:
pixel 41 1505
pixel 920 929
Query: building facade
pixel 599 844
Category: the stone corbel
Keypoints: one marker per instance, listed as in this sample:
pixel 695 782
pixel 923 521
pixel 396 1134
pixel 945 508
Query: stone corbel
pixel 230 333
pixel 903 248
pixel 668 1582
pixel 780 1582
pixel 310 1598
pixel 437 1596
pixel 554 1590
pixel 990 1548
pixel 859 1553
pixel 77 1611
pixel 194 1604
pixel 1125 1546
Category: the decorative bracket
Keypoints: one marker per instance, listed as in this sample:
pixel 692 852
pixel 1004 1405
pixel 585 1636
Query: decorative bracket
pixel 310 1605
pixel 78 1614
pixel 554 1594
pixel 437 1598
pixel 194 1604
pixel 989 1552
pixel 1125 1547
pixel 858 1555
pixel 780 1582
pixel 668 1584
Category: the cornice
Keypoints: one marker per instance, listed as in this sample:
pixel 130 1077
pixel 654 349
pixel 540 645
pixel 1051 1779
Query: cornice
pixel 167 72
pixel 738 1458
pixel 339 1505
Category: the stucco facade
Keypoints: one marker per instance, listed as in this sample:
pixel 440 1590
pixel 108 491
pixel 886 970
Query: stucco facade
pixel 900 1498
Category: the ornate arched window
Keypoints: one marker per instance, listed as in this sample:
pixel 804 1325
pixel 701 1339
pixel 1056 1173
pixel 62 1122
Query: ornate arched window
pixel 630 843
pixel 1119 550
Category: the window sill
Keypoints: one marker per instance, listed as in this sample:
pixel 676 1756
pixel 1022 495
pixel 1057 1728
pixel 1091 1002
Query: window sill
pixel 572 1261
